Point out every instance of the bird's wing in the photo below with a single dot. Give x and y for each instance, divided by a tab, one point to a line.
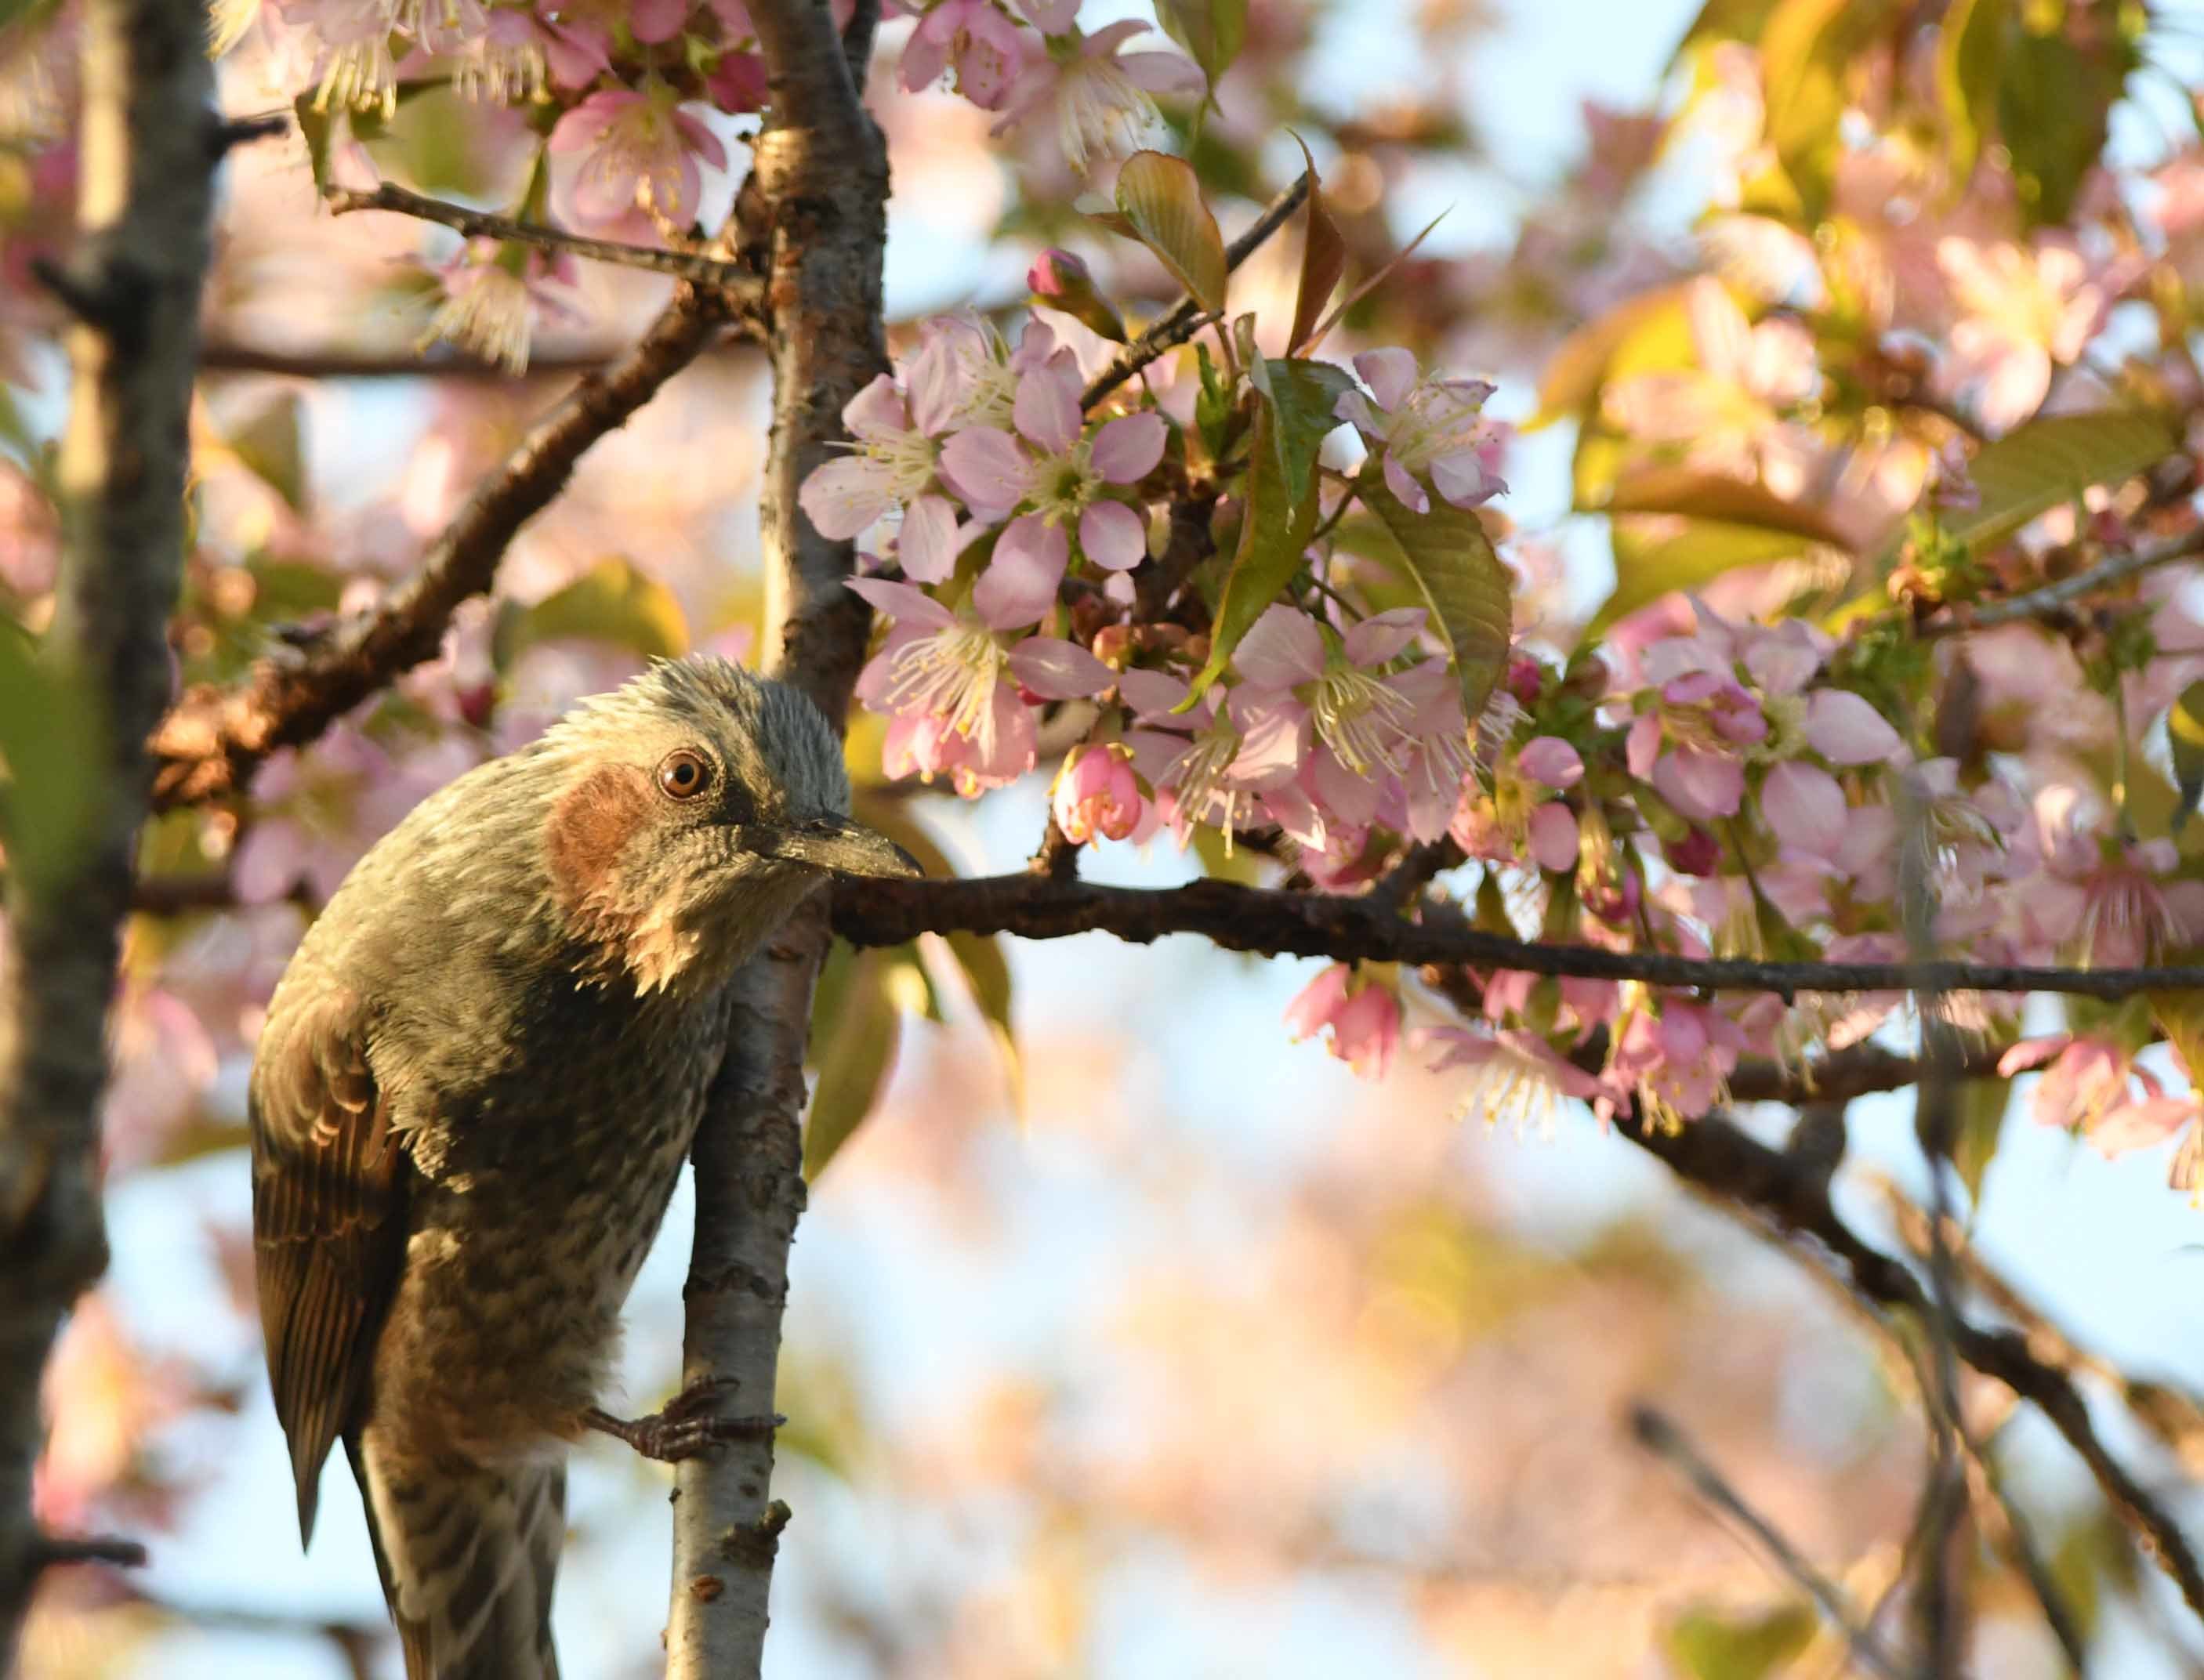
328	1221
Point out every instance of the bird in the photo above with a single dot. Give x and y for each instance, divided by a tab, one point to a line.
469	1101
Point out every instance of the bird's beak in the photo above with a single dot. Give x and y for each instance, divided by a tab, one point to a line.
841	847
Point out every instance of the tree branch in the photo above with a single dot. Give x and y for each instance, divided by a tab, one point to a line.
735	283
821	174
149	141
1265	919
228	356
1186	317
2052	597
1791	1200
211	740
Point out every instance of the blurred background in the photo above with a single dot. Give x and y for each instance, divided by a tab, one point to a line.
1132	1340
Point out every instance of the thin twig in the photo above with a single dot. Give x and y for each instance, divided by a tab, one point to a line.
1258	918
2172	1416
1944	1497
1661	1437
211	740
1186	317
2051	597
1748	1179
56	1551
734	281
2027	1556
229	356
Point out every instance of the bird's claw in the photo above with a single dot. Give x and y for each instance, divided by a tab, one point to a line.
686	1427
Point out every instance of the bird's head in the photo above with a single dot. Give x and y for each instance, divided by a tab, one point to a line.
689	812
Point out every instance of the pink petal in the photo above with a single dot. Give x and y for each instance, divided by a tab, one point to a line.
843	497
1317	1003
1046	407
1051	17
1161	71
1554	836
1340	793
1701	786
1112	536
1377	639
1551	760
903	604
987	469
1126	449
1152	694
877	411
1844	728
1390	374
1282	648
1021	581
928	545
2031	1053
699	139
1274	739
1057	670
1643	745
655	20
1404	486
1803	806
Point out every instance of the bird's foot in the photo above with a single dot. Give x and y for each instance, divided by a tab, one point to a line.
686	1427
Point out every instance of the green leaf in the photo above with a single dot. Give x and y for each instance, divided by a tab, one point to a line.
1213	31
1159	196
2055	99
614	601
1451	560
855	1025
1275	530
2037	466
2184	734
1806	58
986	970
1731	501
272	446
1324	259
1212	405
1710	1645
1970	55
1652	558
1304	398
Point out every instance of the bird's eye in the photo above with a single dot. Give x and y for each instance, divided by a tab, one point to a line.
685	774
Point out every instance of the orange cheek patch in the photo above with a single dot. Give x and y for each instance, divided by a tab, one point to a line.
589	828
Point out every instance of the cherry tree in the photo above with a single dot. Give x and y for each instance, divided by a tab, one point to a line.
1871	772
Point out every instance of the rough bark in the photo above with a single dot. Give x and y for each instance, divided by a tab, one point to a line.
821	172
148	145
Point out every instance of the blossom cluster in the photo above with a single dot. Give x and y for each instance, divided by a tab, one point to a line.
629	103
1706	783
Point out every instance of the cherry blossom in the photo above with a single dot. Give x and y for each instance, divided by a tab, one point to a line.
1363	1014
638	156
1513	1075
977	40
1427	427
1051	467
1100	98
1096	793
956	694
893	470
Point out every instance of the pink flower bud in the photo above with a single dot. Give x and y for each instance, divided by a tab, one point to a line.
1698	853
1365	1020
1056	274
1096	793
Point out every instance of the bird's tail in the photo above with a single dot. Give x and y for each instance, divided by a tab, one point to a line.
468	1555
